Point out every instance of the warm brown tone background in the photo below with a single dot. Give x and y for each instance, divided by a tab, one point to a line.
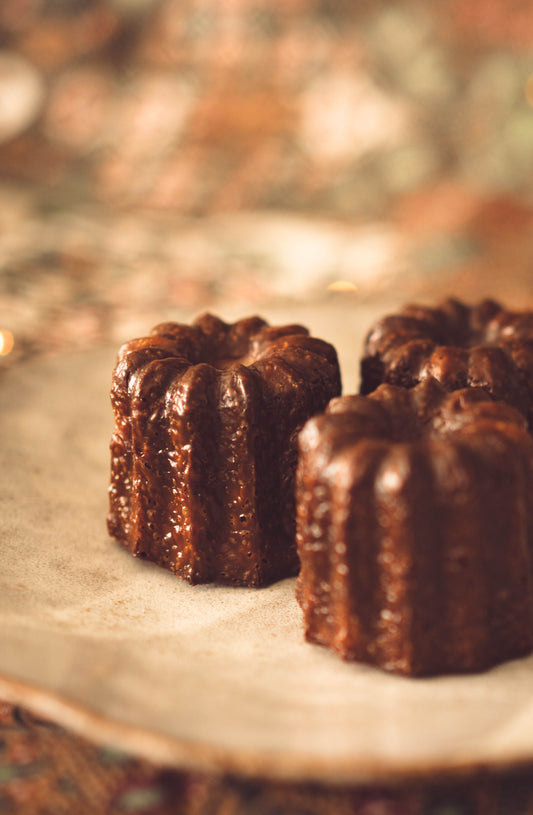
171	155
161	157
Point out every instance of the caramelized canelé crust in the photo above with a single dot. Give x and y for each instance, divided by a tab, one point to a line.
415	530
461	346
204	451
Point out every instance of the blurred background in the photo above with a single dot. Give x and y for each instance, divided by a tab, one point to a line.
163	157
319	161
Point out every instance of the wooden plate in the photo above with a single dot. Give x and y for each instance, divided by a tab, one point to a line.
204	677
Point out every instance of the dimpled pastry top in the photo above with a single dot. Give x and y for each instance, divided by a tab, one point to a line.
461	346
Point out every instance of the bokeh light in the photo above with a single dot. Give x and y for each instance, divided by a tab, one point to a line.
7	341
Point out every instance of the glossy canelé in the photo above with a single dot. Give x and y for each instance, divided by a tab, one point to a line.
484	345
415	530
204	451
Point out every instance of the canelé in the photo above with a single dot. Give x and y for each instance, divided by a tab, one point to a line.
204	450
415	530
461	346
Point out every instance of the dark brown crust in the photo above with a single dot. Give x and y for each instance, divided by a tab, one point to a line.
415	530
460	346
204	450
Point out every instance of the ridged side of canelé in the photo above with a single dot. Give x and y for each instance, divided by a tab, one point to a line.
488	571
416	545
126	451
460	346
323	493
205	445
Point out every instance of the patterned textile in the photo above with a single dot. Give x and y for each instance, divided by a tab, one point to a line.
74	276
44	770
168	155
198	106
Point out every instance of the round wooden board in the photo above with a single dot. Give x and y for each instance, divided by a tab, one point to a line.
205	677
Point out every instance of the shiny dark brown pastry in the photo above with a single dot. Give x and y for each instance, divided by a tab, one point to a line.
460	346
415	530
204	452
